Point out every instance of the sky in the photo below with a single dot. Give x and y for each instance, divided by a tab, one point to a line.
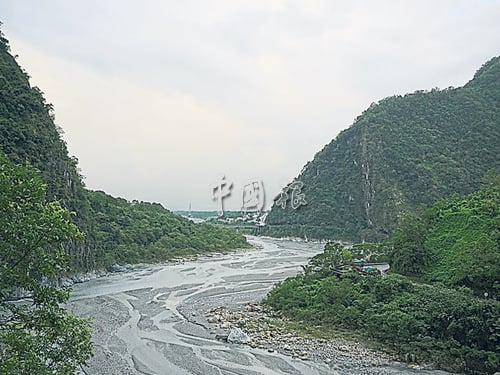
159	100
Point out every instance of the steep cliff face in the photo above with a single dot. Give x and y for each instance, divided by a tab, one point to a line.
28	135
401	153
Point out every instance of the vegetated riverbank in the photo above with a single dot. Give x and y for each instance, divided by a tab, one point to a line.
267	329
440	302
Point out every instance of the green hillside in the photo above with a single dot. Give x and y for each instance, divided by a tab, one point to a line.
116	231
456	242
442	308
401	153
146	232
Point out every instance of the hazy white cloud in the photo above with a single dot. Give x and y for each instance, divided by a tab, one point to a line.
158	99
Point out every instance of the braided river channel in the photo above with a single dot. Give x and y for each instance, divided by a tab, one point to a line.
151	319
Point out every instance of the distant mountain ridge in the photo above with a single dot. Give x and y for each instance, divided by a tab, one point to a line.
401	153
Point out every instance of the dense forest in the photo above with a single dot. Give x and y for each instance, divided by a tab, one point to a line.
131	232
440	302
115	231
402	153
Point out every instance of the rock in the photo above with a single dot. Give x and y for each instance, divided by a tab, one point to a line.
261	331
221	337
410	357
117	268
237	336
83	277
65	282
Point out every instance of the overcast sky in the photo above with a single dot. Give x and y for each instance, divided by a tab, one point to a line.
160	99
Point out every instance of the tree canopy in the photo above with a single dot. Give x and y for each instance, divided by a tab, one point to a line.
37	334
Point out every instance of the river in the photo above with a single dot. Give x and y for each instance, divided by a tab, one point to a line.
151	320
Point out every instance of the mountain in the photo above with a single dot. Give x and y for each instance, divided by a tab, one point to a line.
116	231
402	153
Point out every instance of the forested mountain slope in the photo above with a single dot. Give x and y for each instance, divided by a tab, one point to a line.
145	232
401	153
115	230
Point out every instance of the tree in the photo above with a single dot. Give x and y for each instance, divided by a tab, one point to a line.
409	256
37	334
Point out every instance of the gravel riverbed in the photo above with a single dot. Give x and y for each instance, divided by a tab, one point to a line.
266	330
175	319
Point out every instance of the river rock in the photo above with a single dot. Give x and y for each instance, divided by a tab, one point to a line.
237	336
118	268
221	336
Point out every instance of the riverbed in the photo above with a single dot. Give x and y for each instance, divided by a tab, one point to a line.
152	320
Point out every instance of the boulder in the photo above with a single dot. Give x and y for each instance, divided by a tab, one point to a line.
117	268
237	336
